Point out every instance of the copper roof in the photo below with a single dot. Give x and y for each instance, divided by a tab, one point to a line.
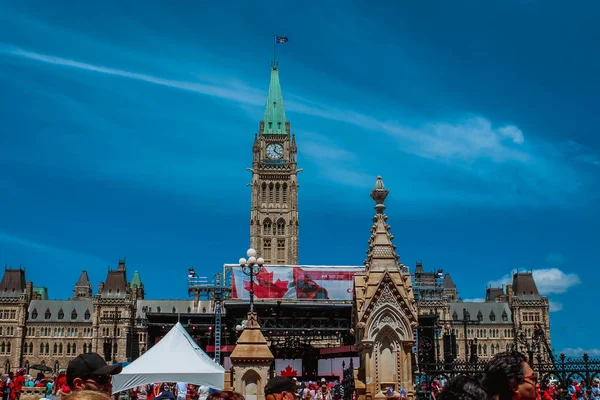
524	285
491	294
116	284
13	283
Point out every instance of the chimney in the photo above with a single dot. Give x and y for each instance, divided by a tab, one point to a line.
100	287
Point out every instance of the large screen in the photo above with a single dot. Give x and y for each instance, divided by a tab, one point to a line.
295	282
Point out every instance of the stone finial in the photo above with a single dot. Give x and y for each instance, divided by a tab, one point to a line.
379	194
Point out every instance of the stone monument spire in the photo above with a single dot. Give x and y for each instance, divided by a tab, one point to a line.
385	313
381	253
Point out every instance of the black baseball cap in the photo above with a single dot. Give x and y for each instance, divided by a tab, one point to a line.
89	364
280	384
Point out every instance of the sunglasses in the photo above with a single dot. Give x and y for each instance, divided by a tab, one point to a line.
100	379
532	378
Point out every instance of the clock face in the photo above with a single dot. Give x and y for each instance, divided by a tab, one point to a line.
274	151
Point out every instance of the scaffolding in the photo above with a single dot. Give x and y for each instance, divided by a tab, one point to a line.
214	290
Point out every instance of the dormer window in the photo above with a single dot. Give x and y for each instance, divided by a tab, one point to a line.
48	314
189	309
504	316
454	316
174	310
158	309
61	314
479	316
87	314
34	314
492	316
73	314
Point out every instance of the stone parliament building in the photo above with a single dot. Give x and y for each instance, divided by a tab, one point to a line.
117	320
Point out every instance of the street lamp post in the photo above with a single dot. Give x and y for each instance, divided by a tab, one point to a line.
251	268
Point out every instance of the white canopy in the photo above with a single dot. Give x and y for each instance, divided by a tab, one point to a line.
175	358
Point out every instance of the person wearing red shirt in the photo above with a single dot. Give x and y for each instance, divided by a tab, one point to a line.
60	381
19	382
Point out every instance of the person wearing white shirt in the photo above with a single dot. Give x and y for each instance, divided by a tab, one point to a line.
181	390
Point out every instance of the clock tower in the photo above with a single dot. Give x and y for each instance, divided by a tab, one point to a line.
274	214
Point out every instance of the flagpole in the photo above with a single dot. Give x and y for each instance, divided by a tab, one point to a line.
274	50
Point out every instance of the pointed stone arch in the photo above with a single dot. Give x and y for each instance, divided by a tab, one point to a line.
281	227
386	357
267	225
391	318
252	385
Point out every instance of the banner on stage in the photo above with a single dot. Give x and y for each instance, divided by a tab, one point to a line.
288	367
295	282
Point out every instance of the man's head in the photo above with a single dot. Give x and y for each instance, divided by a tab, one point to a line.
508	377
281	388
464	387
90	372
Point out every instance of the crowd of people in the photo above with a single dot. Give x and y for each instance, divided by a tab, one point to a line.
507	376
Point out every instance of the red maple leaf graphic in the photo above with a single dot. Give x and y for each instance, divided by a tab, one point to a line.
265	288
288	371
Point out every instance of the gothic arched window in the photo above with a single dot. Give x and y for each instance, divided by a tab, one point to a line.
68	348
55	349
284	193
271	193
90	347
47	348
267	227
41	348
85	348
74	348
60	348
264	193
31	348
281	227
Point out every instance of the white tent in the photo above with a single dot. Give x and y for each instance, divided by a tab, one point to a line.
175	358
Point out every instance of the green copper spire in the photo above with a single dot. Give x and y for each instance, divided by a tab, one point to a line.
136	280
274	111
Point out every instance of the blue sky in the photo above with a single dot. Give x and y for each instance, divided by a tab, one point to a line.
127	130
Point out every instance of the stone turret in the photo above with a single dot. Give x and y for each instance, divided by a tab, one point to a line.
251	361
83	287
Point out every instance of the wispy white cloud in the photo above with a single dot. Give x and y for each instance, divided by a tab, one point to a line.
555	306
472	138
579	351
515	170
334	161
474	300
548	281
580	153
234	91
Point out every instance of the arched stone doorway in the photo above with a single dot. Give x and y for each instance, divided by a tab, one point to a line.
7	367
251	384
